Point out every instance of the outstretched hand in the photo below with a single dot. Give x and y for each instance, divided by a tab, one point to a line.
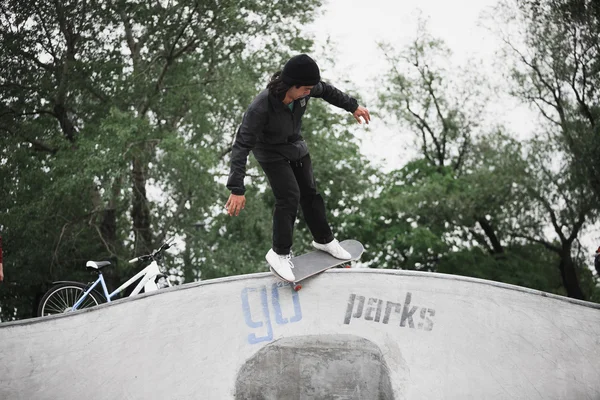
235	204
362	112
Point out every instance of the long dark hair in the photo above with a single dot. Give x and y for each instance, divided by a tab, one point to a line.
277	87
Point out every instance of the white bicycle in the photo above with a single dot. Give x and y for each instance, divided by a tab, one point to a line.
66	296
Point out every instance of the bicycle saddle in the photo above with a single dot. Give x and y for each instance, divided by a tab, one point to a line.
97	264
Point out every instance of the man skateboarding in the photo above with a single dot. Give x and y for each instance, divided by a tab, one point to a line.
271	130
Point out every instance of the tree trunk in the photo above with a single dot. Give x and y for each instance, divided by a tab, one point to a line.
140	212
66	124
491	234
569	274
108	230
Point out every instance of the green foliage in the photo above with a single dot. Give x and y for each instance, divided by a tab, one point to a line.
471	201
557	70
554	67
115	118
529	266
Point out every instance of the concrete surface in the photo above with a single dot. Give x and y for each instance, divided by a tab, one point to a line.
348	334
323	366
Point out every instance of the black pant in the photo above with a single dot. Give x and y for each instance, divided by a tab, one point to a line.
292	182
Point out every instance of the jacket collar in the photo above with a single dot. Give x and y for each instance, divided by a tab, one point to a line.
276	104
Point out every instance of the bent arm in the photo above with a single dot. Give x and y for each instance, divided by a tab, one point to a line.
334	96
245	140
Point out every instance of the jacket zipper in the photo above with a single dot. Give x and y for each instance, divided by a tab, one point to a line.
293	122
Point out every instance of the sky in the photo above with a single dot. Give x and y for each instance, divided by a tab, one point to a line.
354	29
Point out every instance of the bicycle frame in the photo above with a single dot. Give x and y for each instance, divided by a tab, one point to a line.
148	283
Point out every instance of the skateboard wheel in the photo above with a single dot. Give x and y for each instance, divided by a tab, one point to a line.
347	266
297	287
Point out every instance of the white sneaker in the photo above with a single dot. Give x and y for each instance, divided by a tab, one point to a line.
333	248
281	264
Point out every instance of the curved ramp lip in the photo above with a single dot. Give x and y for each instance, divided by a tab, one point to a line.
268	275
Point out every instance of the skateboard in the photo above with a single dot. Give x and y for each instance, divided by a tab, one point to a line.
317	261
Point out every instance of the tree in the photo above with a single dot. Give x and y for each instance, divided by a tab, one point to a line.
444	114
560	69
113	117
556	69
473	192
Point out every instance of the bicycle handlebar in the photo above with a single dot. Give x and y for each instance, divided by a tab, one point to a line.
154	254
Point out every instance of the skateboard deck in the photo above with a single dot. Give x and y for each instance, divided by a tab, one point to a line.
317	261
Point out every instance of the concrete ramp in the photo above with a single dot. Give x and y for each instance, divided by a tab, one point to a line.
348	334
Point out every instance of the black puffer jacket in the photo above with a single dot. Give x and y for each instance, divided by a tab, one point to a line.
272	131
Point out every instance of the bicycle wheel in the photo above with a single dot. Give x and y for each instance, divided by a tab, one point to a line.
62	297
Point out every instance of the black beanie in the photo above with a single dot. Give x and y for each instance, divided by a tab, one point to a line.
301	70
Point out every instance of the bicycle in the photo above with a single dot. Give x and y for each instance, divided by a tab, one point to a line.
67	296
